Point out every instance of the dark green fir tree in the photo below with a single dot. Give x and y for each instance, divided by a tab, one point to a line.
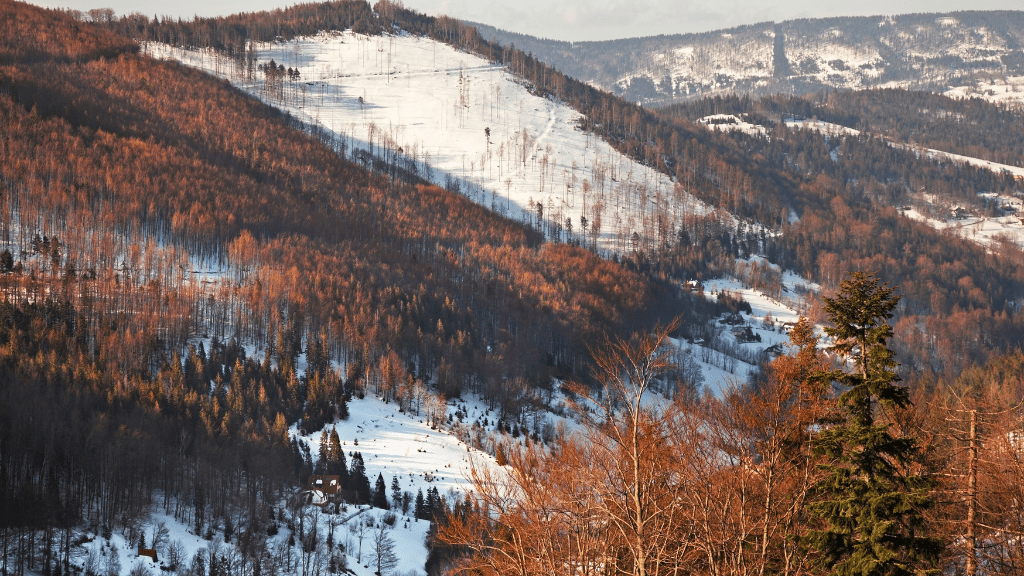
380	493
358	481
868	504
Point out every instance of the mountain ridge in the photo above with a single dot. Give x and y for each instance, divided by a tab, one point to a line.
930	51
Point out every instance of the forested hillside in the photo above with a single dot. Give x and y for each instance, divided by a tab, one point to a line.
853	188
192	280
967	126
148	208
829	216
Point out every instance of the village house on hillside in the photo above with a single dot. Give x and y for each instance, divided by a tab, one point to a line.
322	489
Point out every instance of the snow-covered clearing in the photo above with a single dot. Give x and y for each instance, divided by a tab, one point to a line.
726	361
1007	90
408	534
826	128
400	444
462	122
784	310
988	231
730	123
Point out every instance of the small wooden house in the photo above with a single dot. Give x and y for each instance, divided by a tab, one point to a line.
322	489
149	553
327	483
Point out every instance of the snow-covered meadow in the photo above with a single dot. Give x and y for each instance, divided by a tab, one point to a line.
1008	90
174	541
403	445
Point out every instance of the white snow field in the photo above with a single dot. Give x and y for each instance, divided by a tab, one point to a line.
460	121
403	445
730	122
989	231
407	533
1008	90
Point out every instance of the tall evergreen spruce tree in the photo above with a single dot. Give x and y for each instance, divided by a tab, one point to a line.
420	506
325	453
869	499
358	482
380	493
336	457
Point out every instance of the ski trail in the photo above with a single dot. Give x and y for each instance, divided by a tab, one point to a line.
402	74
547	131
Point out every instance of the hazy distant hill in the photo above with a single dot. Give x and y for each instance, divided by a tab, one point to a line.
917	51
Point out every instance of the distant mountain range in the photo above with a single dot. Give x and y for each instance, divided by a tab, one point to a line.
936	52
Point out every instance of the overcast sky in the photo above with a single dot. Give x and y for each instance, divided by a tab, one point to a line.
585	19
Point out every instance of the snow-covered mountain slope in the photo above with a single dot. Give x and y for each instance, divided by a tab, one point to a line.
969	51
462	123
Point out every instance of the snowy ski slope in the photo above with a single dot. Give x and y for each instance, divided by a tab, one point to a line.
462	122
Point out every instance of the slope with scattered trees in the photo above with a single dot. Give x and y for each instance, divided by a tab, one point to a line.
146	208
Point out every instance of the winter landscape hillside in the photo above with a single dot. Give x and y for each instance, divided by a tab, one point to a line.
348	289
474	128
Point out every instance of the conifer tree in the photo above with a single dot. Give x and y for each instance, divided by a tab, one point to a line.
358	482
396	493
324	453
335	455
869	500
432	505
380	493
341	408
